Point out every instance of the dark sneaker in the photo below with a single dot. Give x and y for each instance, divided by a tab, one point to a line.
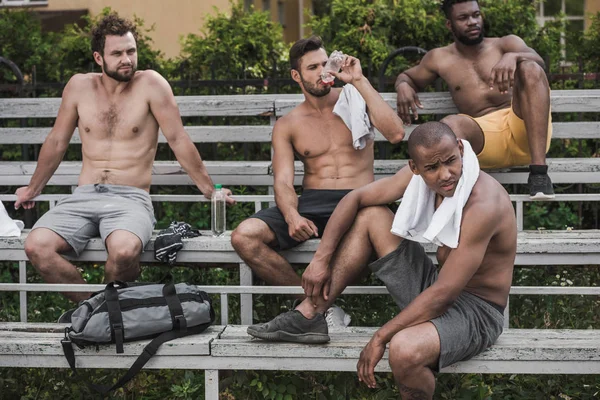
540	185
292	326
65	318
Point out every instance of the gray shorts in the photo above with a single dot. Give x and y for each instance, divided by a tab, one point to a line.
467	328
98	210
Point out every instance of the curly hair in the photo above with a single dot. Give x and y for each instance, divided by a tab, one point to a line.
446	5
111	24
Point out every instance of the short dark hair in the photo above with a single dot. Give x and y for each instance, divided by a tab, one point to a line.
301	47
111	24
447	5
428	135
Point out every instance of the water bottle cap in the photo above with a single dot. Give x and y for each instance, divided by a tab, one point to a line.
218	186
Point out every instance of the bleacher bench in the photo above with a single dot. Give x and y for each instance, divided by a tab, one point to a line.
228	347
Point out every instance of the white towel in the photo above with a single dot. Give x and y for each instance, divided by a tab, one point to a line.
352	109
8	226
418	220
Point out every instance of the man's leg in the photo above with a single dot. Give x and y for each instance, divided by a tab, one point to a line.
43	248
531	103
466	128
252	240
413	353
123	262
370	232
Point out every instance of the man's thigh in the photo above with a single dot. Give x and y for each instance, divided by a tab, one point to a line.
129	216
72	219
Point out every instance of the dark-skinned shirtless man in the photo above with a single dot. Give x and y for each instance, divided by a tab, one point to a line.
500	89
438	310
332	165
118	113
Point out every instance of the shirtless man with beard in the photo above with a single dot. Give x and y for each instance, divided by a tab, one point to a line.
118	113
500	88
332	165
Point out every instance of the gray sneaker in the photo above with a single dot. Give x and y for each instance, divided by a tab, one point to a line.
336	317
292	326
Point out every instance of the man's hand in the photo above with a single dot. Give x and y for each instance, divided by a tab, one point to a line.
316	280
369	357
301	229
24	198
351	70
228	199
503	73
406	100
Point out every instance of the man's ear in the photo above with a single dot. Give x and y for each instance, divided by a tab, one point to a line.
448	25
295	76
98	58
413	167
461	147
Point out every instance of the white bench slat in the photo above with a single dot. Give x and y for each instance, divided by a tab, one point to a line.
253	105
561	170
262	133
533	248
517	350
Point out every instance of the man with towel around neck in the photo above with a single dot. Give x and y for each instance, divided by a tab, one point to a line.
445	316
331	133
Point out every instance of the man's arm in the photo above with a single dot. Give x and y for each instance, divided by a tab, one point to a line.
410	82
55	145
515	51
299	228
315	279
164	108
380	113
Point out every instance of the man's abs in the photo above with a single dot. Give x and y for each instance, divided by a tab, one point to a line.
341	169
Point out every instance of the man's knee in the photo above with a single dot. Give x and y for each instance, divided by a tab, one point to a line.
371	215
125	252
404	354
530	72
248	235
40	244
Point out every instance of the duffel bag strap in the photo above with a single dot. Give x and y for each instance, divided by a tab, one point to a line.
175	308
147	353
111	296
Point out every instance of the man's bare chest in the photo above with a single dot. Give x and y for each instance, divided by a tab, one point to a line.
462	74
122	118
315	137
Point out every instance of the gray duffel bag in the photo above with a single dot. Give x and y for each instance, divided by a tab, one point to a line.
123	313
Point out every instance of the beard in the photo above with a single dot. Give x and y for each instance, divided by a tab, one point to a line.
315	89
467	41
119	76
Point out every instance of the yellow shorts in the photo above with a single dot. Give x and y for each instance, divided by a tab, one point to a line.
506	142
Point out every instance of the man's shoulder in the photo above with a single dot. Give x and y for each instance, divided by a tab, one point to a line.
149	76
88	79
488	195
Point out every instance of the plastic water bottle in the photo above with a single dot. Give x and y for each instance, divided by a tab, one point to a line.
334	63
218	212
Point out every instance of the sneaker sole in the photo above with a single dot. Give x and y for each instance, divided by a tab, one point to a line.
542	196
282	336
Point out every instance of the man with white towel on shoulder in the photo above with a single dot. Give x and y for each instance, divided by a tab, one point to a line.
331	132
445	316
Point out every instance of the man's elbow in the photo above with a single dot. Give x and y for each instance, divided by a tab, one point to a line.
396	135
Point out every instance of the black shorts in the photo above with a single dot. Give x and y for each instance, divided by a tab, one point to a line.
316	205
